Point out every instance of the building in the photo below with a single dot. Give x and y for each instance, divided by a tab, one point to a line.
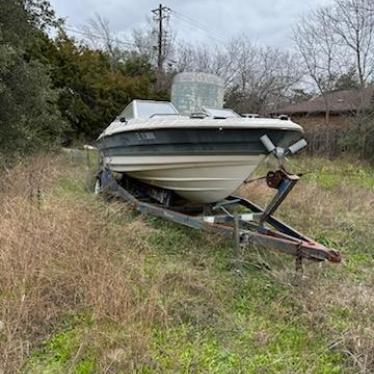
342	105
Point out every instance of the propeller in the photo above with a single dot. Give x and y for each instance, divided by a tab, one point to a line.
279	152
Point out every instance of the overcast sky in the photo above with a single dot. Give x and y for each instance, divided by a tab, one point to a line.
266	22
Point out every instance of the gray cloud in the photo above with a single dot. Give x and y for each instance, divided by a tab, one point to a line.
266	22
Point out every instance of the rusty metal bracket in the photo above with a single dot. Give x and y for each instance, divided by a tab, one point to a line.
284	183
299	259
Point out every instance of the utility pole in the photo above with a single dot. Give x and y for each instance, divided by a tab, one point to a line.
161	13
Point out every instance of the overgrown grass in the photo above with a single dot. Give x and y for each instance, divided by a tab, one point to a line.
88	286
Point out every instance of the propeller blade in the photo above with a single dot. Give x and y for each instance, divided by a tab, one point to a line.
267	143
298	146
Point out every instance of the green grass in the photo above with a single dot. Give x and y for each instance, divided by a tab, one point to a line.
56	353
330	174
221	314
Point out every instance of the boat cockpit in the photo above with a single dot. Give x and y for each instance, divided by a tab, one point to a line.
151	109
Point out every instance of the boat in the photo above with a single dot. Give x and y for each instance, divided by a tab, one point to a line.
182	160
203	157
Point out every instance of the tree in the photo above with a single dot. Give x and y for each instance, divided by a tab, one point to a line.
299	95
91	90
29	117
319	51
92	85
146	42
101	37
347	81
207	59
336	46
262	77
256	79
352	21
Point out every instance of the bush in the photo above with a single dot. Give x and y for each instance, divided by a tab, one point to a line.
359	137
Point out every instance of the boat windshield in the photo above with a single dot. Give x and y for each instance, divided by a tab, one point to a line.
220	113
148	109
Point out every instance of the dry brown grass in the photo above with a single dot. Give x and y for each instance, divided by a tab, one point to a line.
32	175
328	304
345	216
339	212
63	257
66	256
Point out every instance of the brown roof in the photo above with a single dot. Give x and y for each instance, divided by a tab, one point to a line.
339	102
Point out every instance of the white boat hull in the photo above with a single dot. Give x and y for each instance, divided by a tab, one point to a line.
199	178
202	160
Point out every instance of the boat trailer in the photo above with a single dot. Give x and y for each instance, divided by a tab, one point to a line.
235	217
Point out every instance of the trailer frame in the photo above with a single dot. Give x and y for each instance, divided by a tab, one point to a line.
253	225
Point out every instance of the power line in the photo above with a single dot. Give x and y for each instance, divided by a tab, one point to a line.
199	26
186	28
198	23
98	37
211	36
161	13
